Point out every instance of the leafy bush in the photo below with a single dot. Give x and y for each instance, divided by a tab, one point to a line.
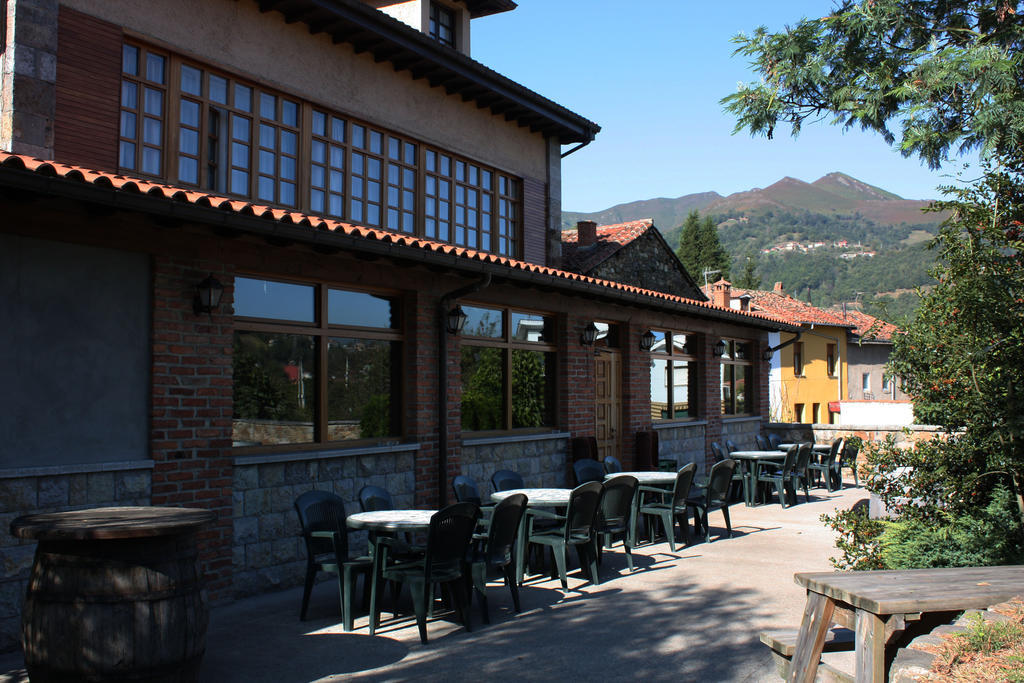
986	536
858	540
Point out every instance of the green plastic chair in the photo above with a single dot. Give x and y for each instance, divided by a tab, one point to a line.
716	496
448	541
673	509
780	476
322	517
825	468
802	470
615	515
498	550
577	529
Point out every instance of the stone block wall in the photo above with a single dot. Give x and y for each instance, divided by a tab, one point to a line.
43	489
542	460
683	442
268	552
741	431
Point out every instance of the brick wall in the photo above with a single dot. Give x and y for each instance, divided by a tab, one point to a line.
192	406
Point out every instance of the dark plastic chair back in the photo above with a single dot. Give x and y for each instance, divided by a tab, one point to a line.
684	481
373	498
720	480
717	452
762	443
730	446
451	530
501	536
789	464
588	470
803	458
833	453
322	511
582	512
466	490
503	480
774	440
617	501
612	465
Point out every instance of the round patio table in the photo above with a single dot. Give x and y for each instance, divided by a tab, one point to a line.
817	448
388	522
654	478
115	593
749	461
537	497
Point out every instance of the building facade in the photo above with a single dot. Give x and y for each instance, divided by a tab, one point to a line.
347	183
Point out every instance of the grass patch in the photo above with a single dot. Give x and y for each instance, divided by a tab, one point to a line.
987	651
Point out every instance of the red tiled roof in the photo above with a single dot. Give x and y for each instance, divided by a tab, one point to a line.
125	185
868	327
610	238
793	311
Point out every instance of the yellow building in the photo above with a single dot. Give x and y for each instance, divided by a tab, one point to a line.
808	376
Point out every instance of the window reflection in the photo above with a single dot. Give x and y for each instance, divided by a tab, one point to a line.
276	300
360	387
531	327
533	387
274	388
483	388
360	309
483	322
675	376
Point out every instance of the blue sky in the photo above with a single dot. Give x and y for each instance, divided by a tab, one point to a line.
651	75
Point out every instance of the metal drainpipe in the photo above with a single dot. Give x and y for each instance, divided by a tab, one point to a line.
442	381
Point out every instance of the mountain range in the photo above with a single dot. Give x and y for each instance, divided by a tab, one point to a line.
834	194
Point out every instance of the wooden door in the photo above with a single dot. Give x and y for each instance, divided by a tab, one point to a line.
608	403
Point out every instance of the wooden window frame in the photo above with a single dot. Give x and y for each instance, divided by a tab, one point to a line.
671	355
141	113
731	358
798	359
435	29
830	360
215	155
322	330
508	344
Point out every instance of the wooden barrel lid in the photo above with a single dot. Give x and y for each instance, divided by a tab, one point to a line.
110	523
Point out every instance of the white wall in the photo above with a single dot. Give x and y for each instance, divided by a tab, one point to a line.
875	413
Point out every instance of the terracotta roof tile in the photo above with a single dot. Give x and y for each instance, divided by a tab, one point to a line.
868	327
793	311
610	239
126	184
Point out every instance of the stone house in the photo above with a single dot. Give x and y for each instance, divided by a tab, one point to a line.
239	240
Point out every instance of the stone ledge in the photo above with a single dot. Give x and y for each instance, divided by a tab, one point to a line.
88	468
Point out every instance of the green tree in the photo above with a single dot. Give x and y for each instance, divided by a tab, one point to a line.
948	73
749	279
700	248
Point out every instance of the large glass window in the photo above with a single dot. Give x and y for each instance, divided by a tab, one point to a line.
508	370
442	24
737	378
193	126
674	376
314	364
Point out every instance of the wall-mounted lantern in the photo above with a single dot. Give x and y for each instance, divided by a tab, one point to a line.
589	335
455	321
208	293
720	348
647	341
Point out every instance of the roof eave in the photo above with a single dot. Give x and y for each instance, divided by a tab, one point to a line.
369	30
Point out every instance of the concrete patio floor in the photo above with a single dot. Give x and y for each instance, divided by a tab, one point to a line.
691	615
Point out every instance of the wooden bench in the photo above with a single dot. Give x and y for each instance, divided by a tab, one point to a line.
783	644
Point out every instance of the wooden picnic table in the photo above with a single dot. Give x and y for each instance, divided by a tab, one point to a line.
877	605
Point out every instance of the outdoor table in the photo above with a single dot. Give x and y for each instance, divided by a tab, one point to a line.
538	498
749	460
114	593
647	478
388	521
817	447
877	605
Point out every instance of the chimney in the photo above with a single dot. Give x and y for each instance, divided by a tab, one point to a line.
586	232
721	293
778	288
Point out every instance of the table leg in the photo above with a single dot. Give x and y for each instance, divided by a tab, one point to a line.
521	542
748	484
377	550
813	628
870	647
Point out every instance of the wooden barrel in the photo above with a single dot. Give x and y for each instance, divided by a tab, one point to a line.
124	610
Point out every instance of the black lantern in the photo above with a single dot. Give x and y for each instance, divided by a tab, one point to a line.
589	335
208	293
456	320
647	341
767	355
720	348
